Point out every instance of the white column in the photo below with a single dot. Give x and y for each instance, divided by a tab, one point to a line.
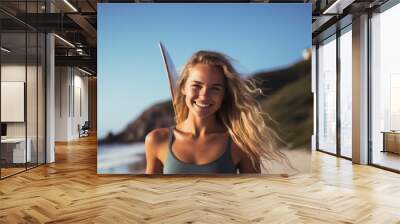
50	93
360	90
50	99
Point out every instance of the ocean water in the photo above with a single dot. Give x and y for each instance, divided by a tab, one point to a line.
121	159
130	159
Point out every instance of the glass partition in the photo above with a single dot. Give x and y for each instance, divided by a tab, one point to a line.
23	91
385	88
327	95
31	100
41	91
14	153
346	92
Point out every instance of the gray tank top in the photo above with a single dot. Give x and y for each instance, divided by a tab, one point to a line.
173	165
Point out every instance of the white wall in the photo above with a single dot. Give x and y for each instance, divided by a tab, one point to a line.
16	73
71	103
33	126
61	103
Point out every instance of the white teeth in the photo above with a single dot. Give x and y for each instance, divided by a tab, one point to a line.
202	105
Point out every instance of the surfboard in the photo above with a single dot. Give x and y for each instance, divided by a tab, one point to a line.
169	68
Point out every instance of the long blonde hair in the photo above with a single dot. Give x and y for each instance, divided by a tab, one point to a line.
240	112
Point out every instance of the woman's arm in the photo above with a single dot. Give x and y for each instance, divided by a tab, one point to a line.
153	164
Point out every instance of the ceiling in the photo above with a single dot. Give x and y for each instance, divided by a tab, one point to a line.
76	22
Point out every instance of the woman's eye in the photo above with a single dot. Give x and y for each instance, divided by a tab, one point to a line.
216	89
196	86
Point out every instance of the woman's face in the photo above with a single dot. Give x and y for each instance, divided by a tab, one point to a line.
204	90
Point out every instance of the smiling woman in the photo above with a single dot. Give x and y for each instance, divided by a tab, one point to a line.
219	124
204	90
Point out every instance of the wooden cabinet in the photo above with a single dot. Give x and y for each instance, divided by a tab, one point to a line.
391	142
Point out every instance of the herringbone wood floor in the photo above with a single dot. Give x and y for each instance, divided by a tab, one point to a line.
70	191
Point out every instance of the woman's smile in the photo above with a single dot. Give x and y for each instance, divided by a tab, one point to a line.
202	105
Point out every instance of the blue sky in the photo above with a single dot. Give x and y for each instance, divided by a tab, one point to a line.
131	75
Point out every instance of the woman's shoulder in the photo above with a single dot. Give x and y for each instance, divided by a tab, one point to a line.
156	149
156	143
157	136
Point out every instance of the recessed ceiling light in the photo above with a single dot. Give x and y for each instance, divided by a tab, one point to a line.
338	6
64	40
84	71
70	5
5	50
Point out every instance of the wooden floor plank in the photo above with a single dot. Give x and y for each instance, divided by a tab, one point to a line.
70	191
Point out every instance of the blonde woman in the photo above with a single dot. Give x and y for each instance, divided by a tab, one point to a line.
219	124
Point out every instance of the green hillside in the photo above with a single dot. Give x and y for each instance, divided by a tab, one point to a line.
292	109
